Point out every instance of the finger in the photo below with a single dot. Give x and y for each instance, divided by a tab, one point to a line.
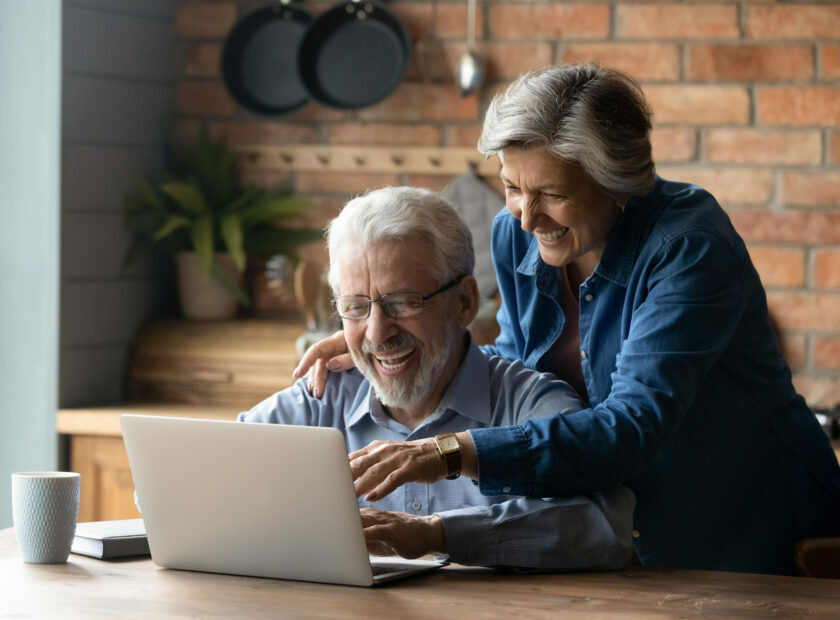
319	373
340	363
374	487
325	349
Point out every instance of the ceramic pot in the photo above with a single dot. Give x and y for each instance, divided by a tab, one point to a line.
201	298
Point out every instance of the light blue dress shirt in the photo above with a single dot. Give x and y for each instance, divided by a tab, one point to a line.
590	531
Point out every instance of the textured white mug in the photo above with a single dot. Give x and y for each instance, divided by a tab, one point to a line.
45	507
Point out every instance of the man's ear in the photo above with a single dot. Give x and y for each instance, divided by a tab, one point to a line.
467	301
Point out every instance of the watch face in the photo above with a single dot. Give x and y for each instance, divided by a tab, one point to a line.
448	444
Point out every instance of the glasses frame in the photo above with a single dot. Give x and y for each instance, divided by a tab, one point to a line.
378	300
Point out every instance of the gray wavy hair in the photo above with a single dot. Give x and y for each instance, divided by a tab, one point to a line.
399	214
591	115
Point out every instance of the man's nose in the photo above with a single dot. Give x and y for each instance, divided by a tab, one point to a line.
379	327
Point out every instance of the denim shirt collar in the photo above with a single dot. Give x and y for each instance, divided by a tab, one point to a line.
468	394
619	256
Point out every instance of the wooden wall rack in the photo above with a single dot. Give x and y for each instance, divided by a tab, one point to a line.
343	158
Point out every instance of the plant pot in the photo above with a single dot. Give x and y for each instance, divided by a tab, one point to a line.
201	298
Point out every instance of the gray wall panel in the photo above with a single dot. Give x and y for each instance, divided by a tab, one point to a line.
161	9
94	376
107	111
114	44
99	177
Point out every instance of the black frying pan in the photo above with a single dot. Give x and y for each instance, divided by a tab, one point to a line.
354	55
260	56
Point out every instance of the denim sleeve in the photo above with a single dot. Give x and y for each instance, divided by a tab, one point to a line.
591	532
685	314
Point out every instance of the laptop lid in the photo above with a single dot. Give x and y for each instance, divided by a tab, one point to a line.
265	500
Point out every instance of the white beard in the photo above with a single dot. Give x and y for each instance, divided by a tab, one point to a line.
402	392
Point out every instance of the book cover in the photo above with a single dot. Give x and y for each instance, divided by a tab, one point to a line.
111	539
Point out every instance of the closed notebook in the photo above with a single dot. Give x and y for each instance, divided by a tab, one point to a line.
111	539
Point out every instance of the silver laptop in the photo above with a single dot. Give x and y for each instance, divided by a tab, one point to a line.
264	500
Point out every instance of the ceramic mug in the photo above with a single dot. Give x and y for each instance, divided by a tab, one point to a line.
45	507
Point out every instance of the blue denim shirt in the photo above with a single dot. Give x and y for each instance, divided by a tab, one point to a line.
692	405
582	531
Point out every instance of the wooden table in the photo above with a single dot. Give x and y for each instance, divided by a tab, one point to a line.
88	588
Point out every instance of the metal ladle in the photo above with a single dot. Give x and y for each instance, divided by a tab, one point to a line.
469	72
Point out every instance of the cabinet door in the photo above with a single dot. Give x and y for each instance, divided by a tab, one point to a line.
107	489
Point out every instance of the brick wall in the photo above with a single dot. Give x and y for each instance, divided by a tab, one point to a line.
746	99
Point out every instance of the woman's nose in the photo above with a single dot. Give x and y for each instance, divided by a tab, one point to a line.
528	214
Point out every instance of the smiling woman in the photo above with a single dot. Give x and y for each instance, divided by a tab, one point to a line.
639	292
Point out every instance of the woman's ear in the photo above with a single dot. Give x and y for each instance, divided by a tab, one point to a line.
467	301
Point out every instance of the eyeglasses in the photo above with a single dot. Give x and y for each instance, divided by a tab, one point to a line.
394	305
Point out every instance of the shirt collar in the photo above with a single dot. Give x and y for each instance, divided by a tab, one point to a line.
468	394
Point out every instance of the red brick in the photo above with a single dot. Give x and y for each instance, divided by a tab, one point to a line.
805	311
676	21
795	21
238	133
644	61
756	146
205	99
827	353
205	20
818	106
351	183
779	266
434	182
315	112
186	130
793	226
528	21
203	60
672	144
699	105
451	19
510	60
827	269
811	188
424	102
818	391
385	134
740	63
793	349
747	186
463	135
265	178
830	62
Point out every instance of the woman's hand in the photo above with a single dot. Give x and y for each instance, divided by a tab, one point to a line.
329	354
403	534
382	466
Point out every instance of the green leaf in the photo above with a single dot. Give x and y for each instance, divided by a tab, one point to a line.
201	235
247	196
187	195
223	278
265	242
273	208
232	234
172	223
143	197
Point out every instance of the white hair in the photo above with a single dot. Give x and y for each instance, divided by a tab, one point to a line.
399	214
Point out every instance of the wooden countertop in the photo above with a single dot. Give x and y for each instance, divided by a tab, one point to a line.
89	588
105	421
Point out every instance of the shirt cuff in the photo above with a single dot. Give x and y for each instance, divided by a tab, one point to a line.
469	536
502	460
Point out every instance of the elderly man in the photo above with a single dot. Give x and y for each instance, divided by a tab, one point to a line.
401	263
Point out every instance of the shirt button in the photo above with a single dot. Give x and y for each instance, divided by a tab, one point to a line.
417	505
506	490
582	354
587	297
636	533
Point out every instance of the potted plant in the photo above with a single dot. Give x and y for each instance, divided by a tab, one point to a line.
210	222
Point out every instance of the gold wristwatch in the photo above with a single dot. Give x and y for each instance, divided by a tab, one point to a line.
450	451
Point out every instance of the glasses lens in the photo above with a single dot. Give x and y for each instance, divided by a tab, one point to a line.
352	306
398	305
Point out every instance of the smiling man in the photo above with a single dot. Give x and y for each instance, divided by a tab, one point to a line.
401	263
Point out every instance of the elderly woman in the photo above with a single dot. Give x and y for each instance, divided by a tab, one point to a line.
641	294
